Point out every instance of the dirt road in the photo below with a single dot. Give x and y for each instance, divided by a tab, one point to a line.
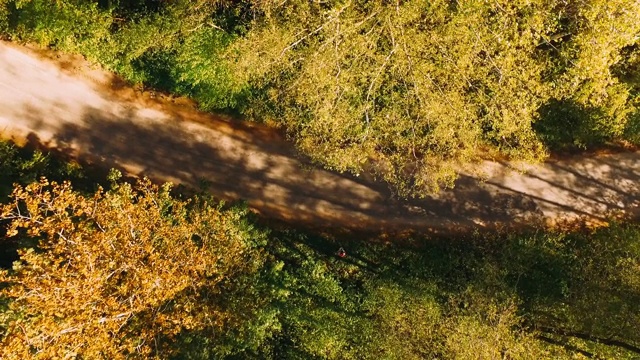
63	104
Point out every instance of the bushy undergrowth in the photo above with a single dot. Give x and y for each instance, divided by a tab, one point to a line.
24	166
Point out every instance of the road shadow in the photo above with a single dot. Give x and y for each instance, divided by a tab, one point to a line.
107	124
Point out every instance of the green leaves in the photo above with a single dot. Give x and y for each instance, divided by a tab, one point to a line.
407	90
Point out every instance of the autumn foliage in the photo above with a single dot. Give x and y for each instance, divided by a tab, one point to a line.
116	274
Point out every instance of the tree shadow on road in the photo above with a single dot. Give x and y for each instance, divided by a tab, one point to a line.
239	161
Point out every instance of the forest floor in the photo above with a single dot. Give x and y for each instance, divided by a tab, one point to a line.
62	103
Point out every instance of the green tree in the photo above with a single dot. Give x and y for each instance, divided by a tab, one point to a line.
407	90
410	89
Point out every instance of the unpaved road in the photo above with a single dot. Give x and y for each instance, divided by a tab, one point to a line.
62	104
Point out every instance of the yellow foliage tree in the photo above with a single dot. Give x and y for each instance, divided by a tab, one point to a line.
116	275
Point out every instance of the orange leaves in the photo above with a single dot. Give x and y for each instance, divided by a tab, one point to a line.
116	272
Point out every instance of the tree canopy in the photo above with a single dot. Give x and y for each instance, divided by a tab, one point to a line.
117	274
407	90
135	272
414	88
